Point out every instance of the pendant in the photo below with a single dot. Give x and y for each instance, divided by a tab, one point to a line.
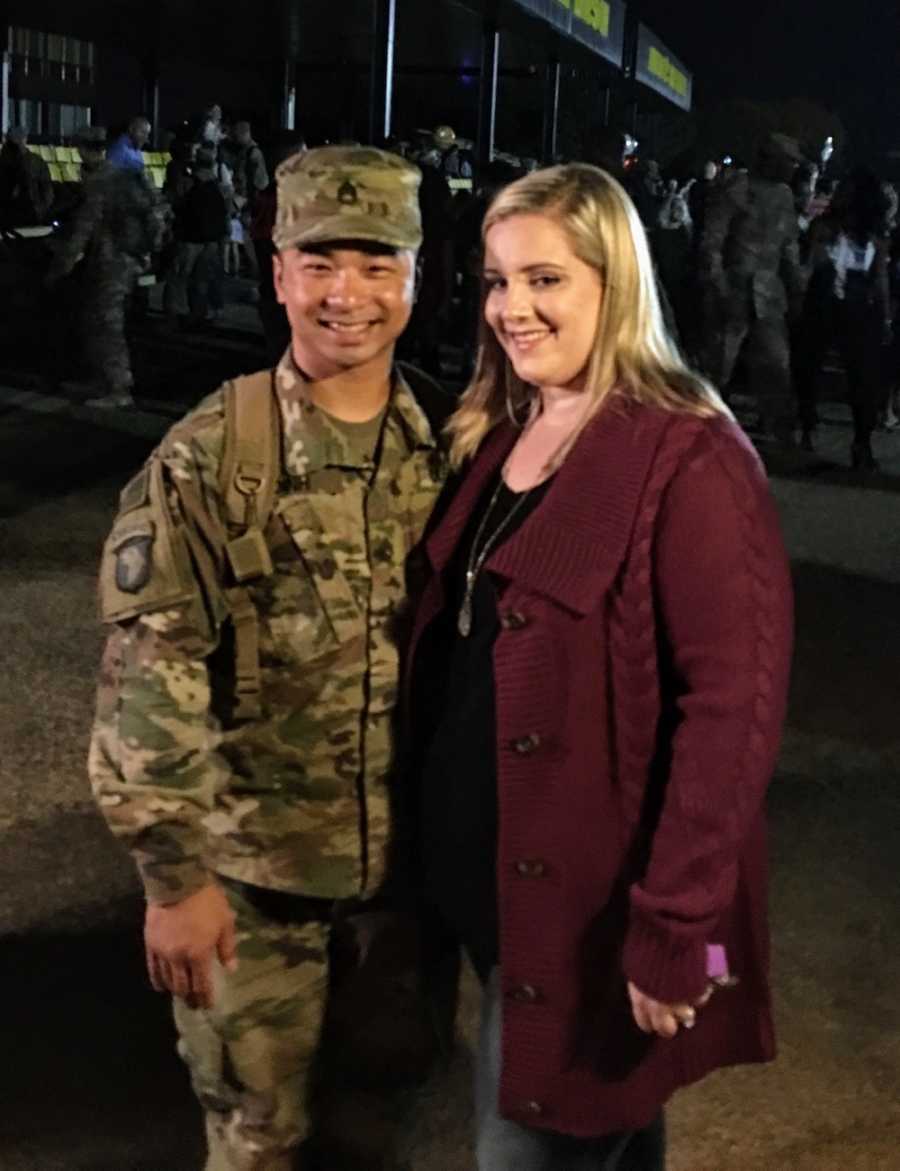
464	622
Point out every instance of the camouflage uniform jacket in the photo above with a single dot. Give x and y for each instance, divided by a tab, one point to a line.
119	216
749	249
298	801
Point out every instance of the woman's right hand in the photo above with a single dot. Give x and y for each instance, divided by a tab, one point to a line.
654	1016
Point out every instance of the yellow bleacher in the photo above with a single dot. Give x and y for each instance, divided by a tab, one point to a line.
65	163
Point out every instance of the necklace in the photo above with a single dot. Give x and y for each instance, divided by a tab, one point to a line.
477	559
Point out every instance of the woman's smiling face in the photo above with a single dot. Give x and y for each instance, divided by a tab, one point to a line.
543	301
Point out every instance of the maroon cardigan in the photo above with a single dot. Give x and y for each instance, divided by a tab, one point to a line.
641	674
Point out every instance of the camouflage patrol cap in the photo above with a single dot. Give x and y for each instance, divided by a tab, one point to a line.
785	146
348	193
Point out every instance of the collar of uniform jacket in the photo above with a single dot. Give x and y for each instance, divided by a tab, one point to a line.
312	442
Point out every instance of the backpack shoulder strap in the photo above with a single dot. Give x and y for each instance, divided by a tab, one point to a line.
251	459
248	479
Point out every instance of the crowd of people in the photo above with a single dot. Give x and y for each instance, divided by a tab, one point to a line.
766	272
769	272
115	226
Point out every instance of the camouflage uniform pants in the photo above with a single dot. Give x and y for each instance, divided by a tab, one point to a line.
251	1056
106	291
765	344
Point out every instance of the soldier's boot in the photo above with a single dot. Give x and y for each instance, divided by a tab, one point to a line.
229	1150
111	402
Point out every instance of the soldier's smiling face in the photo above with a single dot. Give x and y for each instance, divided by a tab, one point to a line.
347	302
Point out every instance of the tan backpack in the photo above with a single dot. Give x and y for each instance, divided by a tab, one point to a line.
248	479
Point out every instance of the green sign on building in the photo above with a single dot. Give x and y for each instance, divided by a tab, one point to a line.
658	67
598	24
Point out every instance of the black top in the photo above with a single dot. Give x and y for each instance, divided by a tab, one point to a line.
455	723
203	216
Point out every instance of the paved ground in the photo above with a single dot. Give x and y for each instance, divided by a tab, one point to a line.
88	1078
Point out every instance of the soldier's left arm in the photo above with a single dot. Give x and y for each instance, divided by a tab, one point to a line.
791	269
84	225
44	185
260	178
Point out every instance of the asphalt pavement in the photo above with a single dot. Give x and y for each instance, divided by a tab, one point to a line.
89	1080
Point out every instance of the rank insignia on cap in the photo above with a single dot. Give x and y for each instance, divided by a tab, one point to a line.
347	193
134	563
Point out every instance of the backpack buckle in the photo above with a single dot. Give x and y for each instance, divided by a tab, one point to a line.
249	557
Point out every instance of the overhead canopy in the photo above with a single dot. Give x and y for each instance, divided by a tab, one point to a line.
598	24
658	67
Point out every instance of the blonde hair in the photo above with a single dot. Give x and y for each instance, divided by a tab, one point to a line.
633	354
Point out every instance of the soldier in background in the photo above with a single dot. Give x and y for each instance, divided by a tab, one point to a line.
752	280
245	158
243	747
111	235
248	165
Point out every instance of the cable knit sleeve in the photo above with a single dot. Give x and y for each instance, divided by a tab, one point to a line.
724	602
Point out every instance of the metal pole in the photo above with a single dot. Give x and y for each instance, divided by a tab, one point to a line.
150	104
5	70
551	110
5	104
384	42
487	95
286	43
289	97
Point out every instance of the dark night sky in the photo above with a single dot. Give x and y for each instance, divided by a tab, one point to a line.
844	54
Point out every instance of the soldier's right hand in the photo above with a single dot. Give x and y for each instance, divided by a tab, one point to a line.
183	940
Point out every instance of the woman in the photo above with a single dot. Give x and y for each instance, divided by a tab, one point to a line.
599	666
848	306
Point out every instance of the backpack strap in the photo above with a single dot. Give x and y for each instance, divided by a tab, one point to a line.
248	479
249	472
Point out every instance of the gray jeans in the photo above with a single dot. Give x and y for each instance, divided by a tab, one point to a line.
194	282
502	1145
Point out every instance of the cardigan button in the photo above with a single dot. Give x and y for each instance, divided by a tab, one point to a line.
513	620
531	868
525	994
525	745
535	1109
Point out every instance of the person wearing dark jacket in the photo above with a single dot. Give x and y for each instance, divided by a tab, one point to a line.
201	224
26	189
848	306
597	683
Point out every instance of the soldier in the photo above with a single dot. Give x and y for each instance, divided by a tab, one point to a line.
751	278
113	230
254	587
